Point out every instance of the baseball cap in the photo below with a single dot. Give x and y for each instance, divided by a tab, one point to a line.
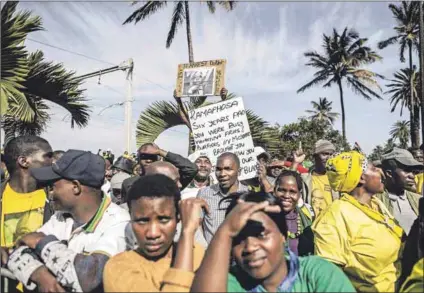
117	179
194	156
402	156
83	166
261	151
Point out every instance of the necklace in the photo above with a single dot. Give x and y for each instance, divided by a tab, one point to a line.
295	235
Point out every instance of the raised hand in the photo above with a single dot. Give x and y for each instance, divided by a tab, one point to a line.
190	212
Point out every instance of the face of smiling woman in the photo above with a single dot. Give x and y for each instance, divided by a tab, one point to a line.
288	192
262	257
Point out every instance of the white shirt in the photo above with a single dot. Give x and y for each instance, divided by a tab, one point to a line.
105	233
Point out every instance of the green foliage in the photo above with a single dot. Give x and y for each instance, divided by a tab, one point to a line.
308	132
28	81
379	150
322	111
400	132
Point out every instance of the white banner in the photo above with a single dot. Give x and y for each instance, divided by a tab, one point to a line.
223	127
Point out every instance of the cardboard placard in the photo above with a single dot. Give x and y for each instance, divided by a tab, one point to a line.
223	127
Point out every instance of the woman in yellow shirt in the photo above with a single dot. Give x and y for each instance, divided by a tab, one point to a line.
357	232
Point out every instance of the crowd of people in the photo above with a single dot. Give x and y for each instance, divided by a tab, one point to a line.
155	221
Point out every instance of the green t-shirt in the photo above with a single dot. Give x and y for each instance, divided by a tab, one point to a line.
315	275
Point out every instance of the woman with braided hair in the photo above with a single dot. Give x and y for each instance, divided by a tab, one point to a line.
299	215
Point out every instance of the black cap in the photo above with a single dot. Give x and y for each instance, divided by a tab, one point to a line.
85	167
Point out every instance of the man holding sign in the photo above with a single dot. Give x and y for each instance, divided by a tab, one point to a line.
226	171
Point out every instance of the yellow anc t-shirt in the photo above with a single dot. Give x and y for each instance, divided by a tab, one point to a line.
321	195
419	180
364	241
21	213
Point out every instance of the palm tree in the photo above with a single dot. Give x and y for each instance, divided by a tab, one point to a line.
400	131
162	115
344	54
407	35
30	81
322	111
14	66
181	12
401	94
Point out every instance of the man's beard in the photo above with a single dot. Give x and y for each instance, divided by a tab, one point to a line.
201	178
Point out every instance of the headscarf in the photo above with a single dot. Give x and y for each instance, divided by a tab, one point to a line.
344	170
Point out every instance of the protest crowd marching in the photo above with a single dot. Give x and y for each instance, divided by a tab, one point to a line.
230	216
75	221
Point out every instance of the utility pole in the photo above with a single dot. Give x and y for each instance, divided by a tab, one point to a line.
128	67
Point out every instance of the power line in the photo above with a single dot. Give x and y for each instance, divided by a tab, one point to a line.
71	52
92	58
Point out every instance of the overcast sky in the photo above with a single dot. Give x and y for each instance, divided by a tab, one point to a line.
262	42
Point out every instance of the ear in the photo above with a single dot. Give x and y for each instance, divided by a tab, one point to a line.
76	187
23	162
389	174
362	179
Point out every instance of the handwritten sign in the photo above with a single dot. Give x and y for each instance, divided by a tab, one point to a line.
223	127
205	78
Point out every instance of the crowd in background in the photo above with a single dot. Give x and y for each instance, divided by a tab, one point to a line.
74	221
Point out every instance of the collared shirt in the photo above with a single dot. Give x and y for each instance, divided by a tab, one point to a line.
192	189
104	233
213	195
402	211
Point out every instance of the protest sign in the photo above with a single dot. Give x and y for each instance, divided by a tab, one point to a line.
223	127
205	78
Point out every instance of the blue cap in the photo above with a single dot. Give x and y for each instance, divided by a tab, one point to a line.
85	167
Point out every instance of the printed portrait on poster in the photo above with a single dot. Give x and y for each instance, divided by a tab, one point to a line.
205	78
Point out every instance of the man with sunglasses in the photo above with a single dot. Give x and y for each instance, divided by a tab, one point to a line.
23	204
401	199
149	153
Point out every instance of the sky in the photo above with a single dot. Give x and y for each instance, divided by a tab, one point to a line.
263	44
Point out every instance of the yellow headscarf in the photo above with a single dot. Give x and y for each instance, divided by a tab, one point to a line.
344	170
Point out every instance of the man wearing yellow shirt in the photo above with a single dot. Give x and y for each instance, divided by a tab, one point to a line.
23	205
318	192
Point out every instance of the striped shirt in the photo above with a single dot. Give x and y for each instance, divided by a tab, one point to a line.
212	195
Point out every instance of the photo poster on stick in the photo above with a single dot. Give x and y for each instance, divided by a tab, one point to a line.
205	78
221	128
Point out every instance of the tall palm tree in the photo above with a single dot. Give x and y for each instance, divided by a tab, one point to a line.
30	81
401	93
181	12
421	52
344	55
162	115
322	111
406	15
400	131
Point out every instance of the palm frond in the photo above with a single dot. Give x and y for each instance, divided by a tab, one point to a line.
15	26
177	20
145	11
54	83
211	6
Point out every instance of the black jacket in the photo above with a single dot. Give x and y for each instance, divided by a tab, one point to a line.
187	170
